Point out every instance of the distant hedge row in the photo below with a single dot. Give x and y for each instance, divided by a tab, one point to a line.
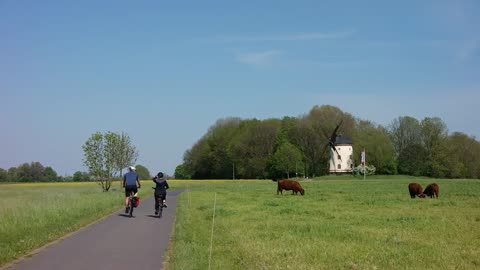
36	172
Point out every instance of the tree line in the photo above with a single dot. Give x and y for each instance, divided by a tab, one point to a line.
272	148
36	172
105	156
30	172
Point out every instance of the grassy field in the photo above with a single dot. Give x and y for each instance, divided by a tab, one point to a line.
32	215
338	224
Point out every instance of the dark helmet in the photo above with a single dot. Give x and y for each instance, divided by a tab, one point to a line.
160	174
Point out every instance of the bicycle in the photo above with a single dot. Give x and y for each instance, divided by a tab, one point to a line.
160	204
130	204
160	208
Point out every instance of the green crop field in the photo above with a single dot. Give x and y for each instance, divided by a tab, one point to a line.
32	215
338	224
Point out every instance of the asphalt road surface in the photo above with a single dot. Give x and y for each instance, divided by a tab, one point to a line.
116	242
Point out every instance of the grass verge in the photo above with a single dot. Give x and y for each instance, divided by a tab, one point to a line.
33	215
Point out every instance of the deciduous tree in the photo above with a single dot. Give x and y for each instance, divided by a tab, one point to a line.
3	175
49	175
404	131
287	159
127	152
104	154
376	141
182	172
79	176
143	173
434	135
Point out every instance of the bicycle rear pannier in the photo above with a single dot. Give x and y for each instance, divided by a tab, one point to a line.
136	201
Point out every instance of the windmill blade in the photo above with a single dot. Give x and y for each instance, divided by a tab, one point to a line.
335	149
333	138
333	160
331	143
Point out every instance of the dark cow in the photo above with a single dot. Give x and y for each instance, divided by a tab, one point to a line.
289	185
431	190
415	189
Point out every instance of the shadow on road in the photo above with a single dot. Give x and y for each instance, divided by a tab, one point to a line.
125	215
152	216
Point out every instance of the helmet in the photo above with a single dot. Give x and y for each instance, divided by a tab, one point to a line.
160	174
132	168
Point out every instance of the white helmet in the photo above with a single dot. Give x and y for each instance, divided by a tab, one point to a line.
132	168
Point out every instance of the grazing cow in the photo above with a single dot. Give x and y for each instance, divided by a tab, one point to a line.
431	190
415	189
286	184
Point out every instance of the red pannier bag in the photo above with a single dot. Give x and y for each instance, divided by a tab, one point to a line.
136	201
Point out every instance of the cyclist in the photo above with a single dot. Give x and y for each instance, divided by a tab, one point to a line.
130	181
160	190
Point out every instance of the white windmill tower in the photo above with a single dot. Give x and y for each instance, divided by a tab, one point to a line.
341	153
341	156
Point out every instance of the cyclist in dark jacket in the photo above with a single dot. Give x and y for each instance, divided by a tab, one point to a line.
160	190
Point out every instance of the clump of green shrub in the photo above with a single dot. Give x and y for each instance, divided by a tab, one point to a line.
360	170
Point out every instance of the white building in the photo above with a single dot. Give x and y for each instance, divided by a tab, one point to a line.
343	162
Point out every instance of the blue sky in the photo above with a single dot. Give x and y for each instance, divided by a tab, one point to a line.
165	71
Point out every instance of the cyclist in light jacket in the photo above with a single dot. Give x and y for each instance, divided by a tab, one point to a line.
130	181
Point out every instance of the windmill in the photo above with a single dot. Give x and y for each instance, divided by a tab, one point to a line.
331	142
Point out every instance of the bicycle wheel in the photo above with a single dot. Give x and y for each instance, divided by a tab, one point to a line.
130	204
160	210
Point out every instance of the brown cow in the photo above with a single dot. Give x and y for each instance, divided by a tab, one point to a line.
431	190
415	189
289	185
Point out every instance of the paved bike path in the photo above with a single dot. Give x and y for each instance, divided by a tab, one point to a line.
116	242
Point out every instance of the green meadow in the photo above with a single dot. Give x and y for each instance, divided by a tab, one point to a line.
31	215
338	224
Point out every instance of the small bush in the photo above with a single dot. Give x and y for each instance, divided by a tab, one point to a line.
360	170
